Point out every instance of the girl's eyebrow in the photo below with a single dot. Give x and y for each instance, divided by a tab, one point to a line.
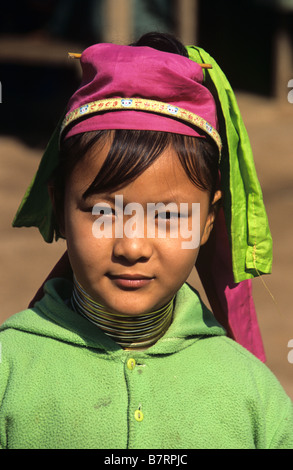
103	196
110	198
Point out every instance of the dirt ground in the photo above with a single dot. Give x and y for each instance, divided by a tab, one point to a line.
25	259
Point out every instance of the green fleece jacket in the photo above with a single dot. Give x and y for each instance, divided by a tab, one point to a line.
65	384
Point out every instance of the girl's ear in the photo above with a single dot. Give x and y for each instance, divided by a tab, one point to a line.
57	208
211	217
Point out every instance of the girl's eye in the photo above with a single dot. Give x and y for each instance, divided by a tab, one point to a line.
102	210
105	212
167	215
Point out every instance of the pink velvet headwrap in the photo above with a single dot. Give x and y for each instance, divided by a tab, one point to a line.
111	71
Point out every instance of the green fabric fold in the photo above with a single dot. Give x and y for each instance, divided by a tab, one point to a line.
36	209
245	214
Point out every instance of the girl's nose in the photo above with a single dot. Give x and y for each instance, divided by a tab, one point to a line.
133	249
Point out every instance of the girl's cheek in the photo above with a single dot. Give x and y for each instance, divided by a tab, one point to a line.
173	252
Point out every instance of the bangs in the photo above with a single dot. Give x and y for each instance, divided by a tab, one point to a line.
200	160
130	154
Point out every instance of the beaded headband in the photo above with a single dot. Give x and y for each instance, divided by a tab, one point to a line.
140	104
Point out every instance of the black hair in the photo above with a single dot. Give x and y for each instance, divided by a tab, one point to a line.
162	42
133	151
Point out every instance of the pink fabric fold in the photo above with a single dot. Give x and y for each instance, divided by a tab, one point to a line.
232	303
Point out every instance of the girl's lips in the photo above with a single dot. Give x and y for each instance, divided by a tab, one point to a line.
130	281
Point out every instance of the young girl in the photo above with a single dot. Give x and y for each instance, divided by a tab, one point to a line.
118	351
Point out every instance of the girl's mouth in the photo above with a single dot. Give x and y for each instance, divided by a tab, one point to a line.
130	281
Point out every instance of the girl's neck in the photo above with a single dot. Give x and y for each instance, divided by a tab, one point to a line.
130	332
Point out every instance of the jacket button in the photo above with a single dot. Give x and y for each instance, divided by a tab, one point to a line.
131	363
138	414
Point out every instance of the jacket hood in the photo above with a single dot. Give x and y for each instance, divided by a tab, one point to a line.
51	317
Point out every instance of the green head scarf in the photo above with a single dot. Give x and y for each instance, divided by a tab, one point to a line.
245	214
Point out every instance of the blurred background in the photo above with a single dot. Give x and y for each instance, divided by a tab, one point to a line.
252	40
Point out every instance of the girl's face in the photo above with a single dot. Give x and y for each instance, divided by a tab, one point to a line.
135	272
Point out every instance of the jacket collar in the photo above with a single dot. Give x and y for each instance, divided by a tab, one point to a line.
52	318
